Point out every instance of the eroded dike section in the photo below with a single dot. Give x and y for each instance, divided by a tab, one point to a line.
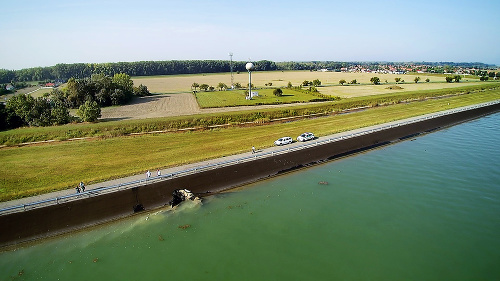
55	219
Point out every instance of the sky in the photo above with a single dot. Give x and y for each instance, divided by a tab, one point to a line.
44	33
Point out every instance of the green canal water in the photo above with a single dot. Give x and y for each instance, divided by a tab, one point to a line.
422	209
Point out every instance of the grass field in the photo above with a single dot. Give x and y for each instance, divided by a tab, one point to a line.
35	91
237	98
31	170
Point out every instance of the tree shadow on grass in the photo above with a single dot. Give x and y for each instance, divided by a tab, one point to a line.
103	120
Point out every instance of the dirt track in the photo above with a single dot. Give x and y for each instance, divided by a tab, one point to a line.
154	106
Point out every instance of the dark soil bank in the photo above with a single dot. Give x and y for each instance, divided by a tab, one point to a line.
64	217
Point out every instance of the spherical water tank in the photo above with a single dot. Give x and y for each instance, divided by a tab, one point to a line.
249	66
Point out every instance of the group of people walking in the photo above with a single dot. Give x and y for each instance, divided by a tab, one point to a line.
148	173
81	187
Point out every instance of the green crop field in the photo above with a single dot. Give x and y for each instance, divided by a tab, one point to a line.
237	98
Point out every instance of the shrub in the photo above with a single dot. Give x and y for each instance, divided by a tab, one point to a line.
316	82
375	80
89	111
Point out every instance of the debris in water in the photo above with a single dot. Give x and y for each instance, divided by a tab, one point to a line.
180	195
184	226
323	182
95	260
160	238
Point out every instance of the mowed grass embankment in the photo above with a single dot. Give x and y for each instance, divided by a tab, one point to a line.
36	169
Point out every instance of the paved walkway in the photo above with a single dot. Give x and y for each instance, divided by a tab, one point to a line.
260	152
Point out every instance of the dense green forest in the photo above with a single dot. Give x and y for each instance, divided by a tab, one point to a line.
62	72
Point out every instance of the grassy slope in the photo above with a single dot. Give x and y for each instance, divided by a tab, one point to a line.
31	170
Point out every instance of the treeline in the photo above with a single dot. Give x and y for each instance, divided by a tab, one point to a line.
87	94
62	72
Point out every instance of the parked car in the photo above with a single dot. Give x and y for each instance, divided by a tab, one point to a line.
305	137
283	141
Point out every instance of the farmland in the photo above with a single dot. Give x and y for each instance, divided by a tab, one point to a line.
112	153
173	94
182	83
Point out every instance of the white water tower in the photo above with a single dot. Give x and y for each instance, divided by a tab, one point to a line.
249	66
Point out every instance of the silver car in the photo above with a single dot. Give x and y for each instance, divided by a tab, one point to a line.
305	137
283	141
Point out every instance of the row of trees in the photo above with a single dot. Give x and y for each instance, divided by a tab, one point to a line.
376	80
315	83
62	72
221	86
342	82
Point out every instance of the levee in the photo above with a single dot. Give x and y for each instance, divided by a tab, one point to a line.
64	217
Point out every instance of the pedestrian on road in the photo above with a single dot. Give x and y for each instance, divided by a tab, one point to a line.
148	174
82	186
253	149
158	172
77	189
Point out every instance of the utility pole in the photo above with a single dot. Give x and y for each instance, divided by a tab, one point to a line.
231	66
